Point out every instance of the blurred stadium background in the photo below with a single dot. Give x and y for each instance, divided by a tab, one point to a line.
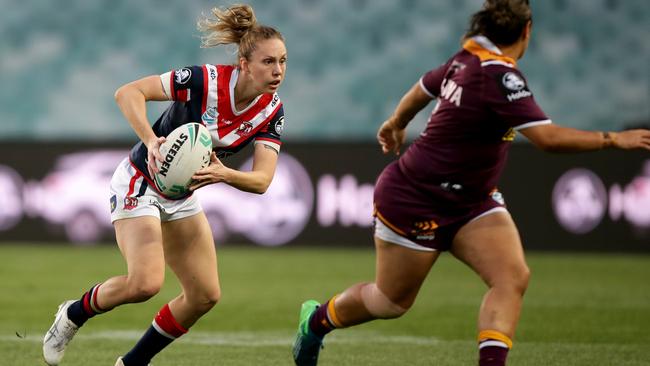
350	61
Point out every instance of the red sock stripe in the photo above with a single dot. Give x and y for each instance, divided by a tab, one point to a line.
89	301
86	304
166	322
94	304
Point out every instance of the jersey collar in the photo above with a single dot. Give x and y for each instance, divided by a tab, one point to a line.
485	50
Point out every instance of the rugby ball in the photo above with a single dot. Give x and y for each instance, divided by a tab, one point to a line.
186	150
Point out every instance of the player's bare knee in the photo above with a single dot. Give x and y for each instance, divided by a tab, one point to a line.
143	290
523	279
203	302
378	304
209	300
514	280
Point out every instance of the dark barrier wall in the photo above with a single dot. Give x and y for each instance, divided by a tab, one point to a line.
322	195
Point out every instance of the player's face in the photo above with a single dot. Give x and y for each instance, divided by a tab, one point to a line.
267	65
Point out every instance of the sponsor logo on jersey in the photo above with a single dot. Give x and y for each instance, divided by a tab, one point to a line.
209	116
113	203
275	100
182	76
213	74
279	126
518	95
130	203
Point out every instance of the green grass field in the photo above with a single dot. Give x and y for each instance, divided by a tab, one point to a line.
580	309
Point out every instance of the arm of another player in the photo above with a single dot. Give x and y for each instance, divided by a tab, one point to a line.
131	98
256	181
391	134
554	138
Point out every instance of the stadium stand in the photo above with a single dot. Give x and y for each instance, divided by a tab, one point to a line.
349	60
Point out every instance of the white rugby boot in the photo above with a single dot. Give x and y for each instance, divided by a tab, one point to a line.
120	363
59	335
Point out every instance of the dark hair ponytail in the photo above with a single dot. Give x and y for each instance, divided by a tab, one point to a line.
502	21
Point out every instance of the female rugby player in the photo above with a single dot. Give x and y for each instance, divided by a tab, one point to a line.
440	195
239	105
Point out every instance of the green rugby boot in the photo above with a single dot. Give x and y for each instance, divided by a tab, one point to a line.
307	345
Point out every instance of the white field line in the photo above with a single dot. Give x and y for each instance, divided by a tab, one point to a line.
242	339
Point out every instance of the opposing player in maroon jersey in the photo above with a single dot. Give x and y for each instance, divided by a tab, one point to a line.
441	194
239	105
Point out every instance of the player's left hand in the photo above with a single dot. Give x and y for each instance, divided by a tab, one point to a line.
632	139
390	137
216	172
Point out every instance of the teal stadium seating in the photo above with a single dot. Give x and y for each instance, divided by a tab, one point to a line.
349	60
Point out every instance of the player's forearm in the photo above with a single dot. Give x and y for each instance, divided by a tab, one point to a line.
554	138
253	181
410	104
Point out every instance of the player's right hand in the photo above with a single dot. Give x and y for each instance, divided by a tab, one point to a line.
390	137
153	154
632	139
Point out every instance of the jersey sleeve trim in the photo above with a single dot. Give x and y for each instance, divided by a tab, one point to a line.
166	80
532	124
425	90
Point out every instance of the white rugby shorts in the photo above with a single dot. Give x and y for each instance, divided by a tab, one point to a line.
132	196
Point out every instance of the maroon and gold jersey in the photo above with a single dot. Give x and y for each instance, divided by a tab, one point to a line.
483	99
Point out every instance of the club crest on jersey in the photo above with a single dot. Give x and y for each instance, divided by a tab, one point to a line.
279	126
512	81
244	129
182	76
209	116
514	87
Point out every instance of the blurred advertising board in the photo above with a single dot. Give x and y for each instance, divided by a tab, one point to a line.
322	195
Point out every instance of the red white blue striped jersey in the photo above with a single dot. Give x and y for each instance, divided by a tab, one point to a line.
205	94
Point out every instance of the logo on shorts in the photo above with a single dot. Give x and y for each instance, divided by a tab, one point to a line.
113	203
509	135
424	230
182	76
130	203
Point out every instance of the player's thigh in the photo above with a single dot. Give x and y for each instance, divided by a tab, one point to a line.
140	241
191	254
400	271
491	246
